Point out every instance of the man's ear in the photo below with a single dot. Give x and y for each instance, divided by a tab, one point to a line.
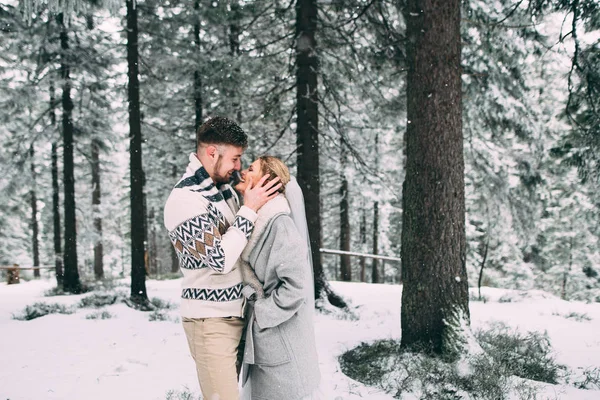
211	151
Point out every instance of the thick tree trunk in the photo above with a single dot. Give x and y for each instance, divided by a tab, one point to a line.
138	270
71	281
307	134
307	137
435	294
96	201
346	262
375	278
58	265
35	240
197	75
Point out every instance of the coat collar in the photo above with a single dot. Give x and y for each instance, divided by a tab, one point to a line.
275	206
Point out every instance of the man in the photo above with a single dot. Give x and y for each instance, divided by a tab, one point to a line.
209	230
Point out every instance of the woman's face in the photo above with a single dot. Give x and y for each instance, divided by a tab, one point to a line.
250	174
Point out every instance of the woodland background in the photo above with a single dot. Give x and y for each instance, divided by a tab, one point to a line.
530	76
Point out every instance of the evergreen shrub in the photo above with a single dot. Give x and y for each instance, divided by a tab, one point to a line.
590	379
185	394
161	304
384	364
527	356
38	310
99	315
99	300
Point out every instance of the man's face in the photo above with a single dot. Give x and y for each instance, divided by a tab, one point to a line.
228	160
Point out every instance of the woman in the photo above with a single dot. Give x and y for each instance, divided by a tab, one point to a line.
280	357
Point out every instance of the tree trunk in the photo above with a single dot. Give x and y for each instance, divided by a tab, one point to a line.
363	240
145	228
96	201
174	259
34	216
138	271
197	76
58	266
234	30
58	257
152	256
375	278
345	260
435	295
486	246
234	49
363	269
567	270
71	281
307	137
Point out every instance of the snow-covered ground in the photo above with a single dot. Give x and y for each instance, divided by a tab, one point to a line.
130	357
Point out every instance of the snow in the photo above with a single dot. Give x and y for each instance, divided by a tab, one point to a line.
130	357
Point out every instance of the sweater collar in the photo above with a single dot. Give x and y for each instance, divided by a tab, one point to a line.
275	206
197	179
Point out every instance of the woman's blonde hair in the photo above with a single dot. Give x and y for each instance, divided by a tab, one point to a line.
275	168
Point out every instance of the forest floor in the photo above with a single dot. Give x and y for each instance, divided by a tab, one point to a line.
115	352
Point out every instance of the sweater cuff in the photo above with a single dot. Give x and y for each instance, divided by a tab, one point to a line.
244	221
249	292
248	213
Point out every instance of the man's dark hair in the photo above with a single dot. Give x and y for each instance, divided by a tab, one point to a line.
221	130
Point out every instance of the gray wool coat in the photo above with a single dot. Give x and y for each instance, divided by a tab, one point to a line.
280	354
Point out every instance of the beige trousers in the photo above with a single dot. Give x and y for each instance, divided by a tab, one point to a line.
214	346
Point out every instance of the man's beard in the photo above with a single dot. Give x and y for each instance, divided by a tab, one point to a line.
218	177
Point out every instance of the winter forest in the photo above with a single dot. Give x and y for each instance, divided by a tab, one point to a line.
460	137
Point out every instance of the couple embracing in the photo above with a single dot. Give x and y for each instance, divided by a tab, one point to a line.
247	274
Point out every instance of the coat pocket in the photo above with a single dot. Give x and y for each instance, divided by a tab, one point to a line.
269	346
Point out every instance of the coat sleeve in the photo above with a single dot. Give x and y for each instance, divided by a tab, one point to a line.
288	260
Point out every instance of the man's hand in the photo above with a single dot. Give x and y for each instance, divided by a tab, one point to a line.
257	196
253	288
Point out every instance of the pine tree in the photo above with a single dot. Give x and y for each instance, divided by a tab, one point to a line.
307	132
96	201
58	257
582	110
308	125
71	282
346	261
138	223
34	216
435	293
198	104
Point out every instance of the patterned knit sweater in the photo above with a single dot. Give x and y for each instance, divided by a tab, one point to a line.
209	231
